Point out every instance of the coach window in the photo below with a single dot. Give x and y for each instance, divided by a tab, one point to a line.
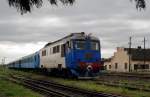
116	65
35	58
125	65
44	53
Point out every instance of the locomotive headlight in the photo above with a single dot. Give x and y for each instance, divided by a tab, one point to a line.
89	68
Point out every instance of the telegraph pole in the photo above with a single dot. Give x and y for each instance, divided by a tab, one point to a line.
3	60
130	43
144	50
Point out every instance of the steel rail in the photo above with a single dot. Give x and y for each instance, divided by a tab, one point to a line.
129	75
40	88
72	89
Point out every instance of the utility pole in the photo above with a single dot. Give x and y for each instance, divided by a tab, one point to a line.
144	50
130	43
3	60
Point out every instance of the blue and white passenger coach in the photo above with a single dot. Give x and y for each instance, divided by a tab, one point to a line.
76	55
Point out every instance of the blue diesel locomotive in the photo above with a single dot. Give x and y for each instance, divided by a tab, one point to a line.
77	54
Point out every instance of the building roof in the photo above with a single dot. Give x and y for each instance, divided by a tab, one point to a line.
106	59
139	54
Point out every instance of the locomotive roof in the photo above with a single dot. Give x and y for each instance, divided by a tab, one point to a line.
81	35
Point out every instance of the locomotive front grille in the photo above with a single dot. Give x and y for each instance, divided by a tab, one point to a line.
88	56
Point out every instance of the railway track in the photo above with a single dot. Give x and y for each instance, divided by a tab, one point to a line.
141	76
125	80
130	86
52	89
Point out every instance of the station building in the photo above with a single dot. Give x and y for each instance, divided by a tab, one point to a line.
138	58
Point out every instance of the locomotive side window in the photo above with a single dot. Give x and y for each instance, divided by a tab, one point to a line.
81	45
56	49
63	50
94	45
44	53
49	50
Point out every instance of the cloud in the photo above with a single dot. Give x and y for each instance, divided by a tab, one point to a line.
111	21
11	49
140	24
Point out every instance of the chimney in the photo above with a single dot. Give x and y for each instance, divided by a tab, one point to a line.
82	33
120	48
139	47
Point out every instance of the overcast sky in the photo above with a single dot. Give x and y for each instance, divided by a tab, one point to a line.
113	21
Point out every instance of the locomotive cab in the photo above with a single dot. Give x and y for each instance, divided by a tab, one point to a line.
83	56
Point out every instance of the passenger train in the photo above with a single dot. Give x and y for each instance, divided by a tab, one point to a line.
77	55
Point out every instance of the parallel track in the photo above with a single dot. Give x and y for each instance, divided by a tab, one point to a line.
129	75
59	90
129	86
113	79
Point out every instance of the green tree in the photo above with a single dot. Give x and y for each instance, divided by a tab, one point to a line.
25	6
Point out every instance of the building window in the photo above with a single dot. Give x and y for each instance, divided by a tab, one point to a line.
106	67
141	66
145	66
44	53
116	65
125	65
135	66
109	66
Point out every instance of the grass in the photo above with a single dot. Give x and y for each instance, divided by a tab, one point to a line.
90	85
84	84
9	89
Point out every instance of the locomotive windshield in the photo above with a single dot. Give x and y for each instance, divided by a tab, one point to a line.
83	44
94	45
